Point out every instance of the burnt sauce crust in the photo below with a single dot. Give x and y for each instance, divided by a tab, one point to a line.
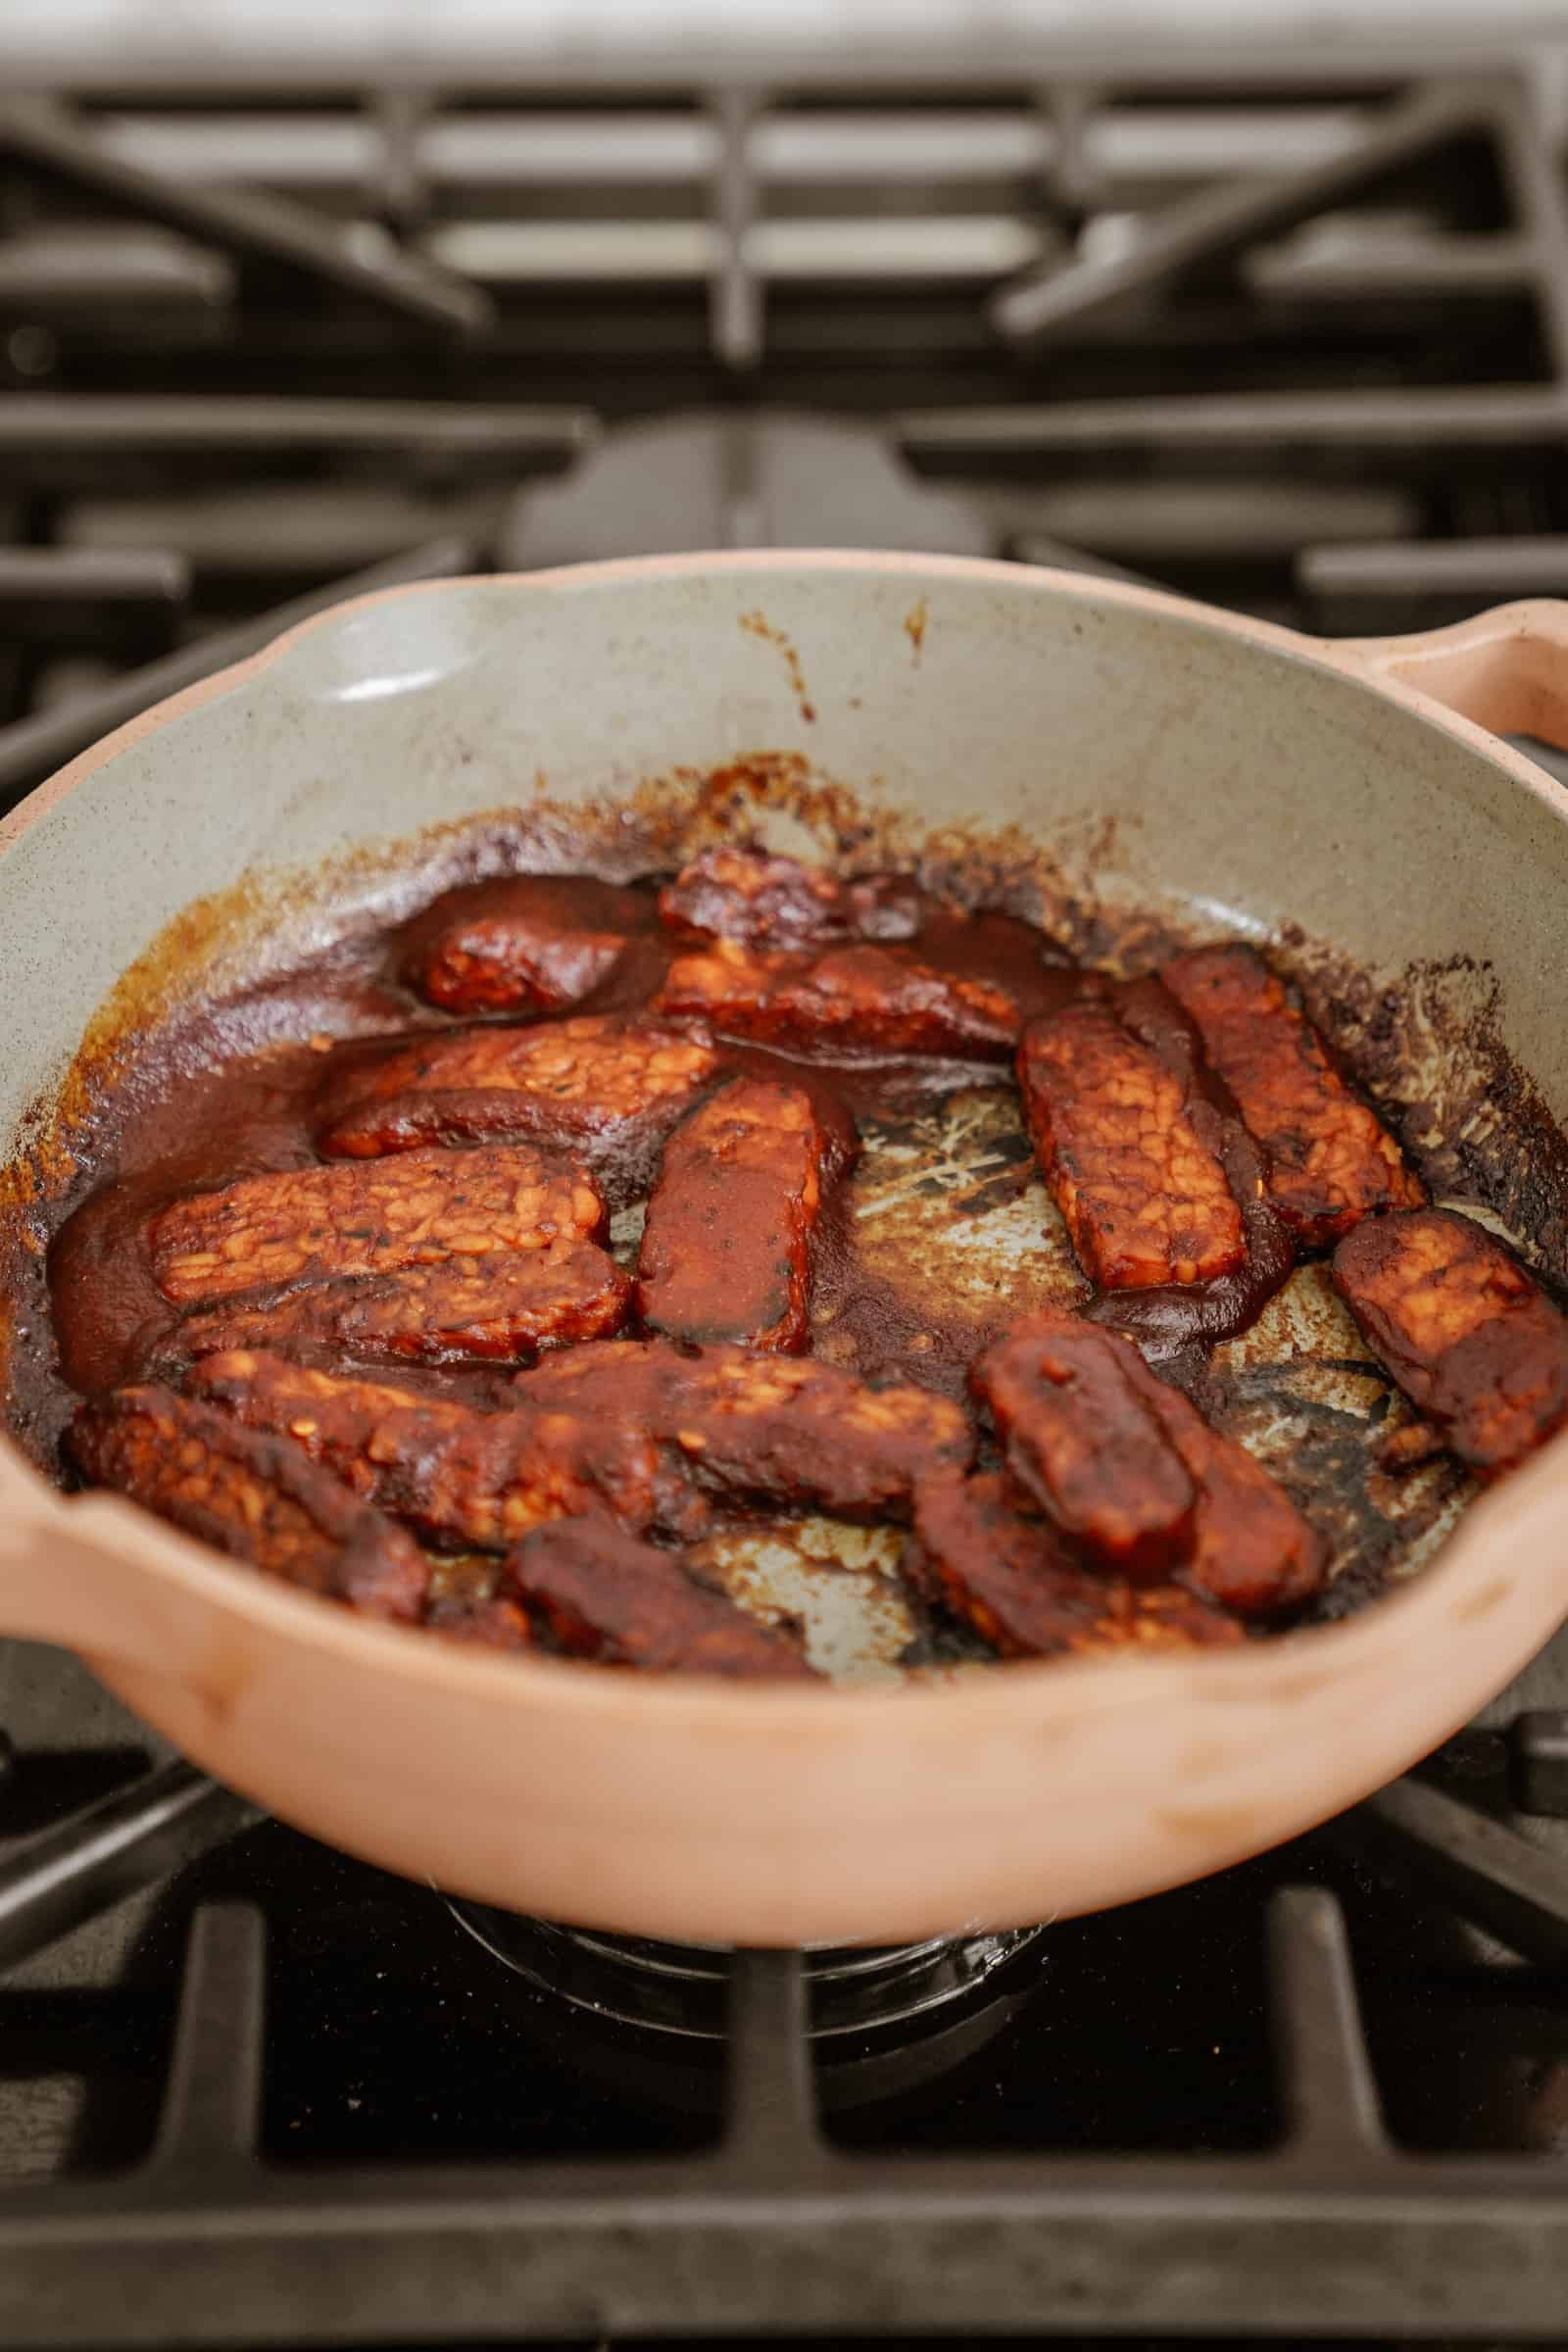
176	1128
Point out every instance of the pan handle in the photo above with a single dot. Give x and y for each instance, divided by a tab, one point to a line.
1507	669
35	1601
68	1576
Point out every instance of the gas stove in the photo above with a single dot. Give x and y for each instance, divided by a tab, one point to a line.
1288	331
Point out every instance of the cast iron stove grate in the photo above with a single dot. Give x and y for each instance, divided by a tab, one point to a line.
1285	330
1268	2197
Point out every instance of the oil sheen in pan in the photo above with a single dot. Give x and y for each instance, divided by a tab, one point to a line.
948	1213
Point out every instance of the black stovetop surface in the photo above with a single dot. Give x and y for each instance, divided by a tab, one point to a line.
1130	2092
393	2037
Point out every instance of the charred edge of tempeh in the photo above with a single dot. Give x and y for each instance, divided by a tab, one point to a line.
460	1476
1130	1469
1330	1161
604	1595
1471	1337
254	1494
766	900
750	1424
982	1552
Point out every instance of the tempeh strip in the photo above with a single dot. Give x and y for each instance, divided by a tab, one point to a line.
1470	1337
483	1479
531	942
726	1248
255	1495
1329	1159
310	1224
746	1423
772	902
985	1554
1127	1466
1145	1198
605	1595
606	1089
1078	1435
498	1309
854	1003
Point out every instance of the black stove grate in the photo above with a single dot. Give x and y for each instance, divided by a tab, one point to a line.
1320	2225
1286	331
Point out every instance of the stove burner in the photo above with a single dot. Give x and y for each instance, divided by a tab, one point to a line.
653	2018
683	1989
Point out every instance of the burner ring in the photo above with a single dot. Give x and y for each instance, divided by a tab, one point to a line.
683	1990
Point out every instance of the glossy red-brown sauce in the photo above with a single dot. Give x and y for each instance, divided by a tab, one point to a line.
234	1090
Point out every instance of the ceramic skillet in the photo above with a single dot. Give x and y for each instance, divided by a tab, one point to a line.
1139	769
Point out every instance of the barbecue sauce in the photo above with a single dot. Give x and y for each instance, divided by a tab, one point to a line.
234	1090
